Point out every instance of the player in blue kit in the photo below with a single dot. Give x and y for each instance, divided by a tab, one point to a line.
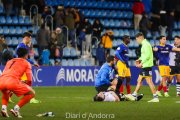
123	69
163	50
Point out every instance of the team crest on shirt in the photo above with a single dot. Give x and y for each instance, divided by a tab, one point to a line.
167	48
118	48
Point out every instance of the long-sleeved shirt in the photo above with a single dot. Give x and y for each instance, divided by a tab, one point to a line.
146	54
122	53
104	75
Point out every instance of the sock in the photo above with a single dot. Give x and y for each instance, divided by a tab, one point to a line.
128	87
4	107
25	100
160	87
121	90
16	107
155	95
165	89
118	85
178	87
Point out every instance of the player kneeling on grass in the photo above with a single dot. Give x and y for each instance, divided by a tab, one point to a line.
104	78
10	81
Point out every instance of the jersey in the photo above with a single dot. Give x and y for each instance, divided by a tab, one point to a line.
122	53
16	67
104	75
177	59
163	54
109	97
172	56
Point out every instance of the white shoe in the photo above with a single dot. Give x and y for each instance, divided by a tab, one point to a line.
154	100
166	94
130	97
16	113
4	113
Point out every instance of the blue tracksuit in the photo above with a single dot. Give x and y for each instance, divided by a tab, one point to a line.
104	75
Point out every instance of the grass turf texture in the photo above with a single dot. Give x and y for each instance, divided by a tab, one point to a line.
62	100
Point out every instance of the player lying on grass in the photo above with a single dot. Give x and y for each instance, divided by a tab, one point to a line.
145	63
175	65
122	65
104	78
111	96
10	81
163	50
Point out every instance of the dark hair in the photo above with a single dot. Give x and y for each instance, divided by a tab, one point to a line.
27	34
139	34
160	37
177	37
109	59
97	98
125	37
22	52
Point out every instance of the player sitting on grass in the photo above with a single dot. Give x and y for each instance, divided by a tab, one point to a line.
163	51
104	78
10	80
111	96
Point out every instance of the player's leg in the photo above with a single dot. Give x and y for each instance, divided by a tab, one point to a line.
169	81
128	86
178	84
164	79
27	92
153	90
138	86
5	98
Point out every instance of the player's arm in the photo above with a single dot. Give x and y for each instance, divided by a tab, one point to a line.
155	49
117	54
116	97
174	49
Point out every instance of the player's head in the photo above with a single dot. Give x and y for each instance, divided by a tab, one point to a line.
139	37
110	60
22	53
99	97
177	40
162	39
126	39
27	37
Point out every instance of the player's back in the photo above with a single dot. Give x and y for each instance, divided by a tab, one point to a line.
15	68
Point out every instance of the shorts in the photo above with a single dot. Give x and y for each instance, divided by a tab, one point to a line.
123	70
16	86
174	70
164	70
146	72
102	88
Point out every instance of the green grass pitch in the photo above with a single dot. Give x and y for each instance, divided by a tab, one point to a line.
78	100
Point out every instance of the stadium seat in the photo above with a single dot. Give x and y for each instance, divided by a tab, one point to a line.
64	62
1	8
21	20
14	20
8	40
12	30
70	62
73	52
82	62
36	52
8	20
2	20
27	20
14	41
18	30
1	30
5	30
24	29
66	52
76	62
112	52
52	62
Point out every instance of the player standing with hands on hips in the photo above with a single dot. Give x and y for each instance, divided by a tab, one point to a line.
145	62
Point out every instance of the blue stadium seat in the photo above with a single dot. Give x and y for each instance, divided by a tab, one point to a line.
20	39
116	33
27	20
15	41
8	20
52	62
36	52
21	20
1	30
66	52
88	63
82	62
24	29
5	30
112	52
14	20
76	62
126	32
34	42
114	43
12	30
64	62
1	8
2	20
73	52
18	30
121	33
70	62
8	40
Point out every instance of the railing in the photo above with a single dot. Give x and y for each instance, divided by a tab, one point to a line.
67	34
46	20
